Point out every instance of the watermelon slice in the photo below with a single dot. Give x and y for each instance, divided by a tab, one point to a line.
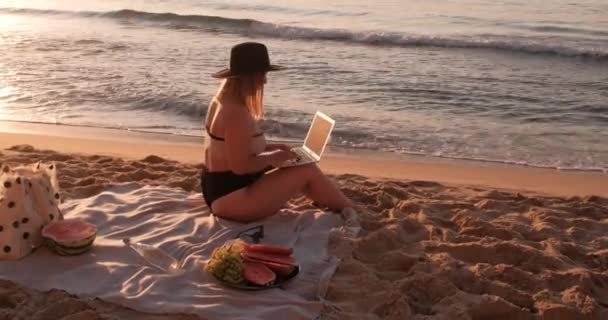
258	274
266	248
69	236
279	268
283	259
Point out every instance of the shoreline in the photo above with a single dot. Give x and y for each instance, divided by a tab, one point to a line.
21	126
188	149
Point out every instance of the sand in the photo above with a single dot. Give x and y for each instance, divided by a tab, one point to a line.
427	250
18	303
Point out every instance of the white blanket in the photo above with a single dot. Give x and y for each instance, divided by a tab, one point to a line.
180	224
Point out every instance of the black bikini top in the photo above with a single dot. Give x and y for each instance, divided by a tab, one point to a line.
214	137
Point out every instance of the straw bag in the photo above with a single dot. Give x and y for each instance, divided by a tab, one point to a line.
29	199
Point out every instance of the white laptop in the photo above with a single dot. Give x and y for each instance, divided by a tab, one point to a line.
315	142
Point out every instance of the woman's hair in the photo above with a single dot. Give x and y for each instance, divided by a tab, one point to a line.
247	89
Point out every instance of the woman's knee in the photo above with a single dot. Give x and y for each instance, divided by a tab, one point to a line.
303	172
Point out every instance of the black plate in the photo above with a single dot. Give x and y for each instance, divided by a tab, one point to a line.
280	281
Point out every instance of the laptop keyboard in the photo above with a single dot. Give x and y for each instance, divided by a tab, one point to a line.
300	155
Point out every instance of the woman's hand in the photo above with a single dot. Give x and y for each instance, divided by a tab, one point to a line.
277	146
280	156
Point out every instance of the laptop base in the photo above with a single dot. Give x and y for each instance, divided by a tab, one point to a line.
302	159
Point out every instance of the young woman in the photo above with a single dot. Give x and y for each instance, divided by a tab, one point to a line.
239	181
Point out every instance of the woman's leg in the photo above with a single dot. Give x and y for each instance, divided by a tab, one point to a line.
270	193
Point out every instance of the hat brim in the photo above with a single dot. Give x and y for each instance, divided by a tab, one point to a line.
226	73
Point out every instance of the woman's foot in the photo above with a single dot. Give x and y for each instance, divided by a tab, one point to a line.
351	222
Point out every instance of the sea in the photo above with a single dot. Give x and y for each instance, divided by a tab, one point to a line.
521	82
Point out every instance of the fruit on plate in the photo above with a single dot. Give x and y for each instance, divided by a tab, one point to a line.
69	236
264	248
258	274
278	268
240	263
277	258
226	264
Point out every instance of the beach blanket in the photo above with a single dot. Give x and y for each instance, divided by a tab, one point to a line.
180	224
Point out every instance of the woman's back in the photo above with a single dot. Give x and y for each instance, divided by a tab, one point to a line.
216	121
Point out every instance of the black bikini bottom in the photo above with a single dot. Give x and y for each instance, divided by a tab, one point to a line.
216	184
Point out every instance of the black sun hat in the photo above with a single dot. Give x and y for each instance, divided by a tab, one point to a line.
247	58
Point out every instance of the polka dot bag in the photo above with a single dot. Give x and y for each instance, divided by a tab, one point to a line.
29	199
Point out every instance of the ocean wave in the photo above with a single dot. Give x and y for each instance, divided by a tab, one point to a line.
167	17
185	105
260	28
222	5
563	29
503	43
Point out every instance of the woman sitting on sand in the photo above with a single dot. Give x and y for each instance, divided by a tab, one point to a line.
237	181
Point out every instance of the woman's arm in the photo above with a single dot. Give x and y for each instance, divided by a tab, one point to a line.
277	146
238	144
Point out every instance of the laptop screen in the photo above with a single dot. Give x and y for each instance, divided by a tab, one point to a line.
318	134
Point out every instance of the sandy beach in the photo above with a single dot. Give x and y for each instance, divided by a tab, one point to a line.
441	239
470	134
